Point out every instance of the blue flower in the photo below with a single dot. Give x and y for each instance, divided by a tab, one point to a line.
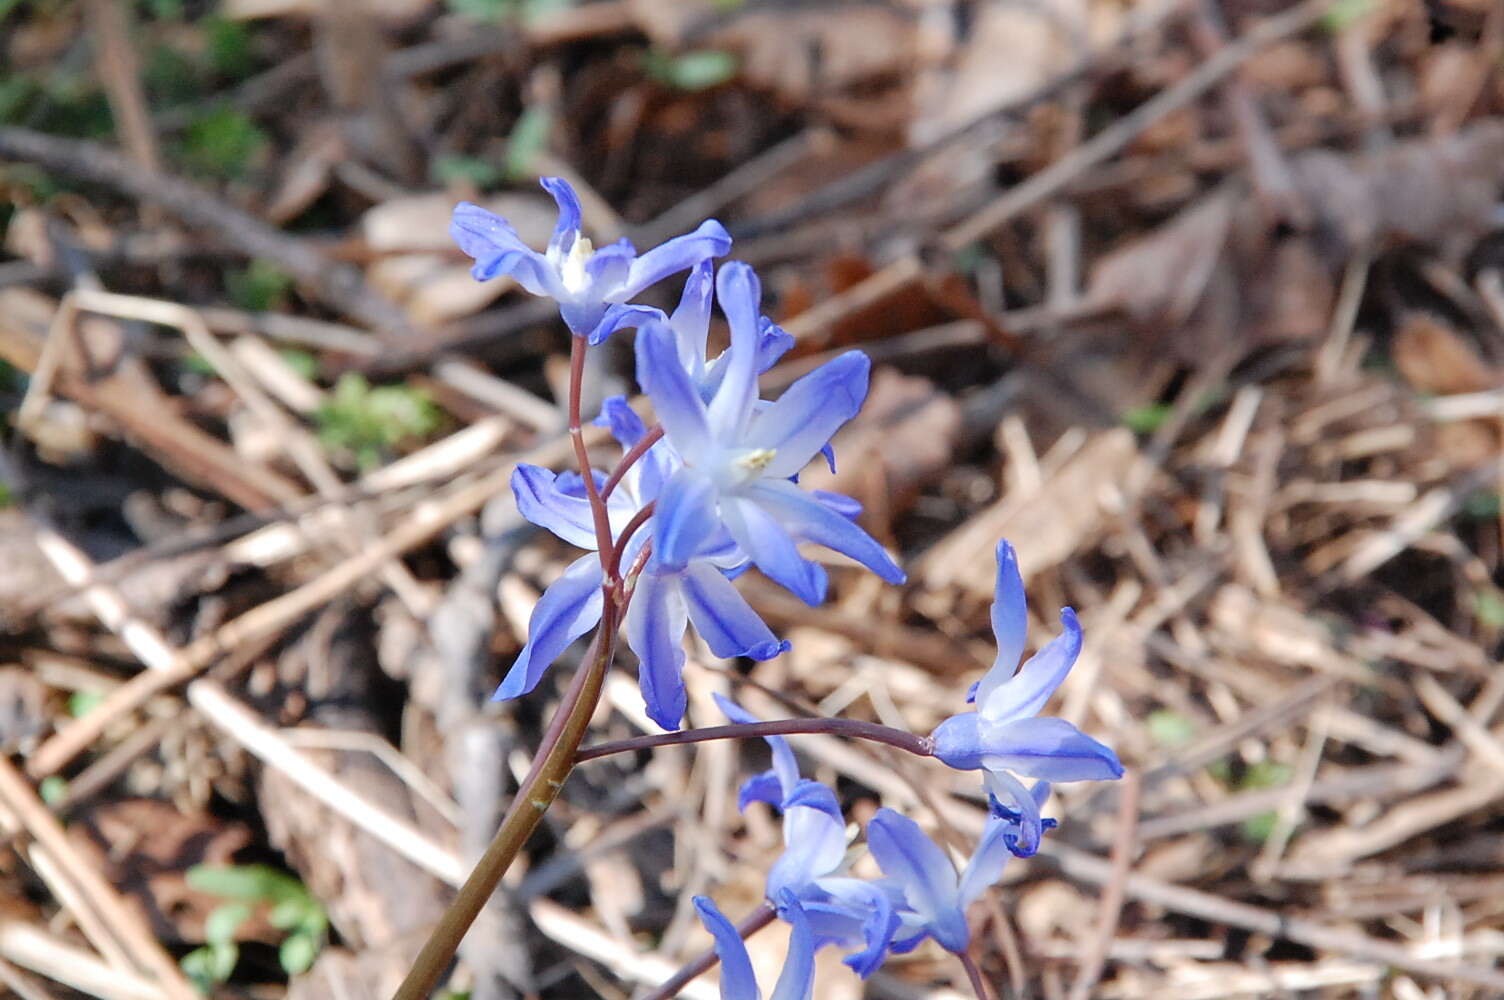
738	457
848	912
663	601
690	323
592	286
932	899
1004	736
796	982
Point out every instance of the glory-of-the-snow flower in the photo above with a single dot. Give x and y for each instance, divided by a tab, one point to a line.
593	286
1005	736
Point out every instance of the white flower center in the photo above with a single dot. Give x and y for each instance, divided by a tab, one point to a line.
750	463
572	271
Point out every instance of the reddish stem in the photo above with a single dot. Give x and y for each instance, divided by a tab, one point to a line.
582	455
628	460
613	568
978	984
921	746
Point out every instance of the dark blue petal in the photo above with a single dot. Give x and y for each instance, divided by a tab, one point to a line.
737	979
568	609
764	787
541	501
844	505
685	519
678	254
626	426
810	411
906	854
623	317
1048	748
655	631
738	291
676	400
567	229
773	342
829	451
807	519
768	544
723	617
797	981
873	909
1027	691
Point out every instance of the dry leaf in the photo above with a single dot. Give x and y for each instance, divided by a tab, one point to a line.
1161	276
391	11
1434	358
421	221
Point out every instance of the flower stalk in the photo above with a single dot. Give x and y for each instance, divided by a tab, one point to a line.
920	746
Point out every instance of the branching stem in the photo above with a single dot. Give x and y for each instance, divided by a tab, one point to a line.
921	746
630	459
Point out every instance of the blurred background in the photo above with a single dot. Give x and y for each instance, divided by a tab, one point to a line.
1198	302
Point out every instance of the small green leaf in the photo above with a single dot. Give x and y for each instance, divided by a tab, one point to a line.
1482	505
529	138
196	364
229	47
1488	605
691	71
1266	774
1170	729
248	883
368	423
53	789
81	703
1345	13
259	286
466	170
1146	419
1259	826
297	953
223	142
289	913
489	11
210	965
302	362
221	924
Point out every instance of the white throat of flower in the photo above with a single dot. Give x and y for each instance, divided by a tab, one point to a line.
572	268
749	464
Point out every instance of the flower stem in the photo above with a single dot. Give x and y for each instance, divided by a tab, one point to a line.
630	459
756	921
597	504
921	746
553	764
613	566
978	984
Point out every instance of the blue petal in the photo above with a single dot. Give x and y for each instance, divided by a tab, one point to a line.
828	450
988	860
1010	623
764	787
784	765
808	520
1021	836
737	979
809	412
691	320
768	544
567	229
1048	748
685	519
738	291
797	981
655	631
583	314
906	854
568	609
497	249
844	505
773	342
541	501
676	401
724	618
678	254
626	426
1026	692
871	906
814	837
623	317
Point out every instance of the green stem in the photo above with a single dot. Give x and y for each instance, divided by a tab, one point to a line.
551	768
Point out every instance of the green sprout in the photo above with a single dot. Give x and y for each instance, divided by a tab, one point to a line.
291	908
691	71
368	423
